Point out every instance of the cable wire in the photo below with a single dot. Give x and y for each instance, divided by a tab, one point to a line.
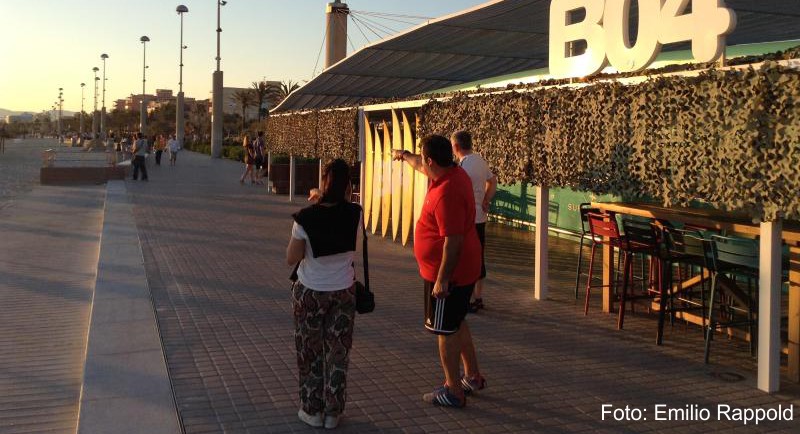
321	46
384	28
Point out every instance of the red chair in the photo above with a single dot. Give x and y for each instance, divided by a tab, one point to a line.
639	239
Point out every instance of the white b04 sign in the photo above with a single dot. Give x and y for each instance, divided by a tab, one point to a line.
605	30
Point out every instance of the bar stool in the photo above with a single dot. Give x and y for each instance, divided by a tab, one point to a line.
732	257
640	237
585	209
686	249
605	231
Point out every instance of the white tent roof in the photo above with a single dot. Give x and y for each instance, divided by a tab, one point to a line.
496	38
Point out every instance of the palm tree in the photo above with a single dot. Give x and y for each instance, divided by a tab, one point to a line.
287	87
261	90
245	98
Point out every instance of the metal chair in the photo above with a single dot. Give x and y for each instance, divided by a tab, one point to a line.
605	231
731	258
640	237
686	249
584	209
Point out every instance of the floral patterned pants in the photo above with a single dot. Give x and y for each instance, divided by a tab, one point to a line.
323	337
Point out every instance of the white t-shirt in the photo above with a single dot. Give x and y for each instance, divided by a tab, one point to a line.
479	173
326	273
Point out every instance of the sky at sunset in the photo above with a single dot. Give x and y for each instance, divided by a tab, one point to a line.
49	44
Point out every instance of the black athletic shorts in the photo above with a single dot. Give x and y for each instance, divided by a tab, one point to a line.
481	229
443	316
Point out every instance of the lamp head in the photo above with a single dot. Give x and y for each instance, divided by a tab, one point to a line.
83	84
144	39
223	2
181	9
95	69
104	56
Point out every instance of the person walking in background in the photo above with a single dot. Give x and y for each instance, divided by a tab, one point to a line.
484	186
259	147
140	150
249	161
173	147
448	253
322	246
159	145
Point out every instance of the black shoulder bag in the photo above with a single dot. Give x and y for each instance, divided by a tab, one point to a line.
365	299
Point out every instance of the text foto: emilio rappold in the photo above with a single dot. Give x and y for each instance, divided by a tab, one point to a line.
690	412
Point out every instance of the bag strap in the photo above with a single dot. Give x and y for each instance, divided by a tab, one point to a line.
364	251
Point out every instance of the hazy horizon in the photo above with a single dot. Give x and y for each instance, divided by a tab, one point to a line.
260	40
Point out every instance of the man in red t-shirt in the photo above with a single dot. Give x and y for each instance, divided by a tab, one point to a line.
448	253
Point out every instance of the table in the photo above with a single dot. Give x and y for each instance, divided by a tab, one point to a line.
719	220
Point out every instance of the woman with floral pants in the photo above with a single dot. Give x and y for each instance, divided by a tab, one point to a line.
323	337
322	247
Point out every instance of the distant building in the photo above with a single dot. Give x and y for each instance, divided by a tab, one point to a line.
22	117
163	95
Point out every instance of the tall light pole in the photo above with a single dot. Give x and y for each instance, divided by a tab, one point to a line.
103	56
81	119
60	106
216	97
179	120
143	110
95	124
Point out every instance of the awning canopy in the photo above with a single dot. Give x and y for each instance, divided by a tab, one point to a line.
496	38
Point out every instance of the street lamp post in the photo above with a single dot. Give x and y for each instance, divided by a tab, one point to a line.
216	97
81	119
143	110
60	106
103	56
179	116
94	112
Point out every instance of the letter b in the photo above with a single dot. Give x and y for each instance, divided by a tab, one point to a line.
563	32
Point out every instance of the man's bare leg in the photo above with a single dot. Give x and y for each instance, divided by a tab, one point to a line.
449	353
468	356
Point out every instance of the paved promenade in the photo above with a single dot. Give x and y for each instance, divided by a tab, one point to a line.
214	252
213	258
19	167
49	241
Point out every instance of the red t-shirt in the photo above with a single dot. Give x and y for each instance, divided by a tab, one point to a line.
449	209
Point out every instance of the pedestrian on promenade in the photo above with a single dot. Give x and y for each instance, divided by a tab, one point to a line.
140	150
448	252
259	148
160	146
249	161
3	139
173	147
484	186
323	244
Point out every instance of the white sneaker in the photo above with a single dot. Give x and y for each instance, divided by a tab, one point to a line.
332	422
311	420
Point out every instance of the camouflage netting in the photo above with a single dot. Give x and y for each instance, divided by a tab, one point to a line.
295	134
316	134
729	138
337	135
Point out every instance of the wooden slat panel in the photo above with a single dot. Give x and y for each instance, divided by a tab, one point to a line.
377	181
368	168
397	175
386	191
408	183
420	184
